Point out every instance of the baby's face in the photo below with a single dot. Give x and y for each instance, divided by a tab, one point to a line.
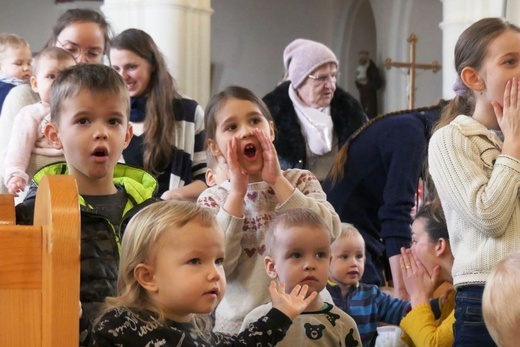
47	70
348	259
16	62
301	256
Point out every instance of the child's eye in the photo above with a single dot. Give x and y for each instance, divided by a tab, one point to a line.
321	255
255	121
114	121
296	255
83	121
194	261
219	261
344	256
359	256
509	62
230	127
51	76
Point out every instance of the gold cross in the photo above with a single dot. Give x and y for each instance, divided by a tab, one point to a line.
412	66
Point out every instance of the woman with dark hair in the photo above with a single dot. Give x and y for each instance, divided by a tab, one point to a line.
168	129
425	266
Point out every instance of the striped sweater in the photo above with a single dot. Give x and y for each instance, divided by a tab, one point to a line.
189	157
368	305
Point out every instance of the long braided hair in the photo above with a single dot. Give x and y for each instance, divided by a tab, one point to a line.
337	171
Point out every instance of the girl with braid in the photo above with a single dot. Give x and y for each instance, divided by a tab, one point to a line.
373	184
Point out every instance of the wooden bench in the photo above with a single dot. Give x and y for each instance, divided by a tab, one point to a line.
40	269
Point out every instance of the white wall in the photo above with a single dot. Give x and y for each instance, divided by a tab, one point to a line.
248	38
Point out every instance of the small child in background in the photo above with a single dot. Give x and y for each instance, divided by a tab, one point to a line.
216	173
171	276
239	128
298	253
500	305
15	63
365	303
30	122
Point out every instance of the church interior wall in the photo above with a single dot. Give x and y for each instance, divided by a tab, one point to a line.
248	38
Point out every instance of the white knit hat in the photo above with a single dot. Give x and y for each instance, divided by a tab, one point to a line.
301	57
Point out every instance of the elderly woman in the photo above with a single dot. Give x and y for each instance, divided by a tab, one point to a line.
313	117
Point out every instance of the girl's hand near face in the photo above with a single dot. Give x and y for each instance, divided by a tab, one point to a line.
271	171
508	118
238	178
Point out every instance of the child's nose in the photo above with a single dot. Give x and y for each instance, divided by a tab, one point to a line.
214	274
245	132
310	264
100	132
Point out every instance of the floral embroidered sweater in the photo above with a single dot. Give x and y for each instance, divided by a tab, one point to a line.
245	248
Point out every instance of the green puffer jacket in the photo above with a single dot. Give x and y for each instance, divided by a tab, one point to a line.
100	240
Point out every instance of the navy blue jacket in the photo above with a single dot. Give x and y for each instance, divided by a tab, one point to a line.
381	174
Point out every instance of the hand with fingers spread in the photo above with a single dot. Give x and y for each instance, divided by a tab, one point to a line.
271	170
508	118
418	282
236	174
293	303
238	178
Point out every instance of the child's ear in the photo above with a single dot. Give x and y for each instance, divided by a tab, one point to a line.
34	84
145	276
210	179
51	134
129	134
270	268
213	147
472	79
271	130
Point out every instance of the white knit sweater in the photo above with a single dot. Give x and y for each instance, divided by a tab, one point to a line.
247	281
479	192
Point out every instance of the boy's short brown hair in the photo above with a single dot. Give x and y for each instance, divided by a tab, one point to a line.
95	78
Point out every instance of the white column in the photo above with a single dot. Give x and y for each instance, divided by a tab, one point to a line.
457	16
181	29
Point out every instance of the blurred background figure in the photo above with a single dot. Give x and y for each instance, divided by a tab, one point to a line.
368	81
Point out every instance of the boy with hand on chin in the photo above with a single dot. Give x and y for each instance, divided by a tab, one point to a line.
298	252
90	109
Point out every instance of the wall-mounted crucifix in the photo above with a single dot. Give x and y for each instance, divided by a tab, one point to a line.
412	66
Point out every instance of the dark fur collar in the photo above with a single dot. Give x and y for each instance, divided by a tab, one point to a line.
347	117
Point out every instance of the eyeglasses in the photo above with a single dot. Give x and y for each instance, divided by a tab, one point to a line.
76	51
322	79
